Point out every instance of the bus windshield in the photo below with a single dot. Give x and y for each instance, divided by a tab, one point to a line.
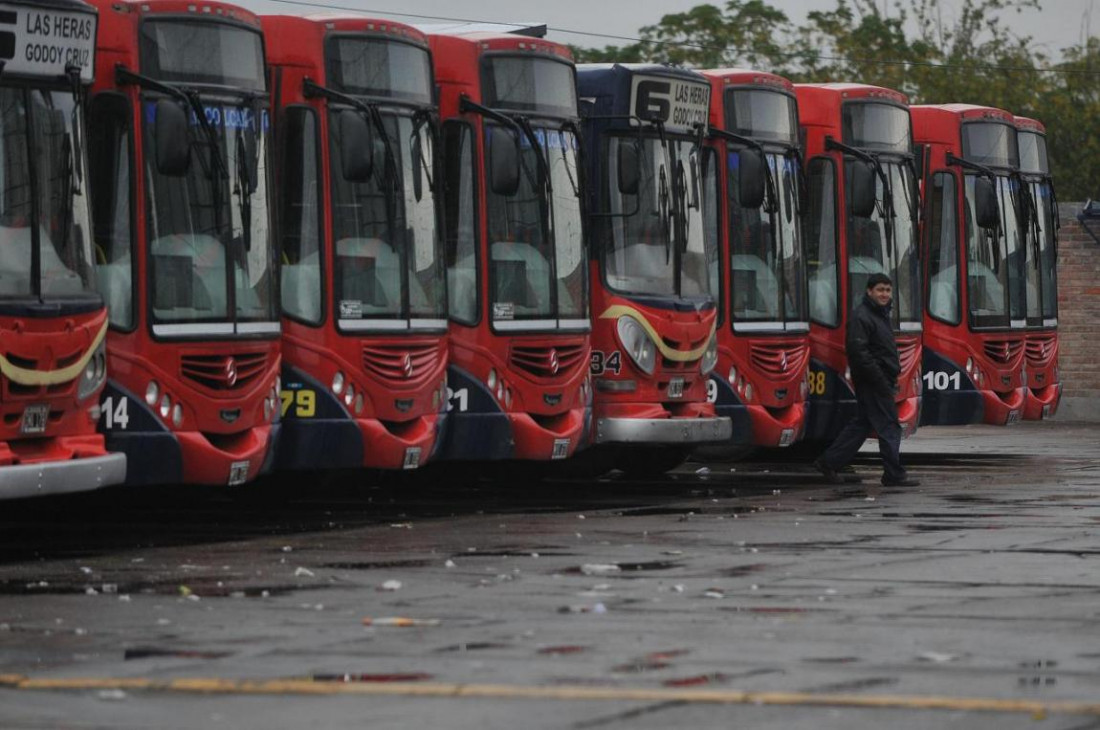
536	246
209	229
658	243
766	262
388	250
886	243
996	282
49	212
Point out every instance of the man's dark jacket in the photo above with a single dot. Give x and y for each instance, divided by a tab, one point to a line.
872	350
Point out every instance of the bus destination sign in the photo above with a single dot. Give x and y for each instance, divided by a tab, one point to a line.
679	103
44	42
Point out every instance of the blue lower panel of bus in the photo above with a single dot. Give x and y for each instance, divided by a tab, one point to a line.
477	429
129	426
728	405
949	397
317	431
830	406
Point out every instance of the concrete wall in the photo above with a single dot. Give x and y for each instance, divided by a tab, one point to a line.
1079	316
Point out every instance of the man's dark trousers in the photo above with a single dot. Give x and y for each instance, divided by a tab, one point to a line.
877	413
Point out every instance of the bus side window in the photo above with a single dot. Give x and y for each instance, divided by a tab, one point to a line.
460	222
109	167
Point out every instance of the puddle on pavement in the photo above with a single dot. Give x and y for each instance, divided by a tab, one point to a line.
371	678
150	652
202	589
472	646
562	650
684	511
651	565
856	685
380	564
742	570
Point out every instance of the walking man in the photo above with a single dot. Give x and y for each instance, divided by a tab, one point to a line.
873	361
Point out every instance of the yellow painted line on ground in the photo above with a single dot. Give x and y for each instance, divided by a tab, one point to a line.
202	685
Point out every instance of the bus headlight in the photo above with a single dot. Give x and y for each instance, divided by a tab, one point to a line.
710	355
637	344
338	383
152	392
95	372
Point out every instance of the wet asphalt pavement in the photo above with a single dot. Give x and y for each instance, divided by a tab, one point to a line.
725	595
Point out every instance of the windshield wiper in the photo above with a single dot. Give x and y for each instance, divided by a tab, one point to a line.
190	97
771	196
887	187
421	118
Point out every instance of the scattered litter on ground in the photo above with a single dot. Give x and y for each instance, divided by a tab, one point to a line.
304	572
600	568
390	585
400	621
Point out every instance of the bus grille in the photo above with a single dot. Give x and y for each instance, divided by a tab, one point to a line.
224	372
1004	351
779	359
407	362
1041	349
547	361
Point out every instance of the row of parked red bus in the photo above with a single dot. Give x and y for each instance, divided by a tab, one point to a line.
303	243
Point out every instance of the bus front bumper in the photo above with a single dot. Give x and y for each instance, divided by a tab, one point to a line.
61	477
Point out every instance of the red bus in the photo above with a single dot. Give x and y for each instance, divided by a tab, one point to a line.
179	127
1044	388
760	382
974	257
861	220
654	222
514	248
364	340
53	323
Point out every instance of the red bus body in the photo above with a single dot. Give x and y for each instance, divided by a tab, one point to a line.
975	312
183	234
517	292
364	375
53	323
764	331
873	121
1044	387
654	258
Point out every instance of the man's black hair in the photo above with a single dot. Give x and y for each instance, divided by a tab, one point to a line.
875	279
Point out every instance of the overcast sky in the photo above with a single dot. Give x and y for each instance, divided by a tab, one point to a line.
1063	23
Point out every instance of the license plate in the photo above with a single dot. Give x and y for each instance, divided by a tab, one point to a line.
238	472
561	449
1046	411
35	419
787	437
412	458
676	388
1013	417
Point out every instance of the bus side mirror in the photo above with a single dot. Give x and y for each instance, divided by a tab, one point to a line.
985	203
629	172
862	190
356	147
503	162
172	139
751	169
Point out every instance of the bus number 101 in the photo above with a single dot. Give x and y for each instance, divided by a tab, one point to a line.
939	380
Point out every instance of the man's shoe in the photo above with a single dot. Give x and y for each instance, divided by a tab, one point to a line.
828	472
903	482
